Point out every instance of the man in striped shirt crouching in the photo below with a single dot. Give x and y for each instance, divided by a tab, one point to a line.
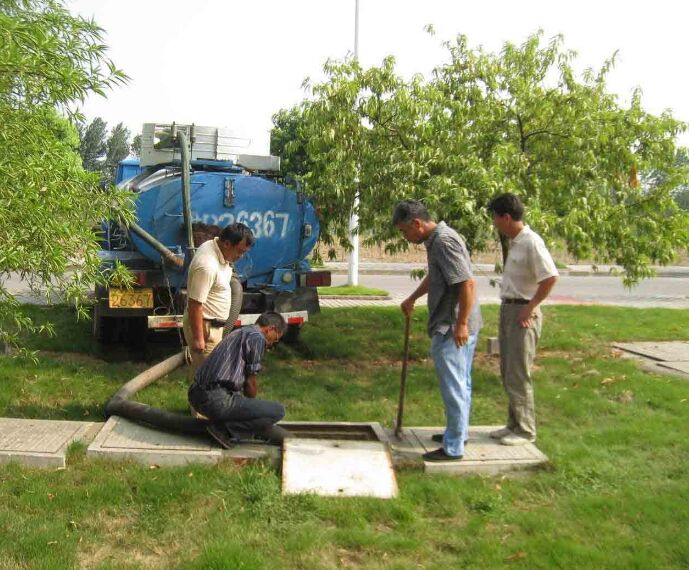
225	386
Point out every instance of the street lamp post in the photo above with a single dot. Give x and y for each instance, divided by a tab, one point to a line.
353	277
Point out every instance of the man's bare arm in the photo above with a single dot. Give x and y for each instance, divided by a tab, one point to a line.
544	289
195	310
466	298
251	387
408	304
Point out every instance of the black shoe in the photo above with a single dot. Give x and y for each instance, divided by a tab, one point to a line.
275	434
440	455
221	435
438	438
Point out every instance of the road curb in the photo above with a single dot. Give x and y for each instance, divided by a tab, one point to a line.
356	297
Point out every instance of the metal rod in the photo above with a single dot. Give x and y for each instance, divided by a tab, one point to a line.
403	381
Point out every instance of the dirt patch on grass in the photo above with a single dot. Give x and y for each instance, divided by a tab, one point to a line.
73	358
123	556
118	545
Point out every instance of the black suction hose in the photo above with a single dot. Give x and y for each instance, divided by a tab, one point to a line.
236	304
120	405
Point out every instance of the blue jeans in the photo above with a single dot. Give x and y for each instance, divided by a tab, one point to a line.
453	367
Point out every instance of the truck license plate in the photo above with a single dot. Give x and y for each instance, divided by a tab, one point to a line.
130	298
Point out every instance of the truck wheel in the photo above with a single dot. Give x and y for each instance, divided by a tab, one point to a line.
291	335
103	328
136	329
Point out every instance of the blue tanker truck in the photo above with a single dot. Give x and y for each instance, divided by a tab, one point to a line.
190	182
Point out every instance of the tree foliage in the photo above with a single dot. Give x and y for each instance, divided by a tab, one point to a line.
117	149
92	144
521	120
49	206
287	139
101	152
136	145
681	192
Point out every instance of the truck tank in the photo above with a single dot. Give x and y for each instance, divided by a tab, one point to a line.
274	274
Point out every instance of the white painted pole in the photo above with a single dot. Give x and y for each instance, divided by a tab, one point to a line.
353	277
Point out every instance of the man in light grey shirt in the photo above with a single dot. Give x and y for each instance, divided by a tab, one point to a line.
528	278
454	319
209	292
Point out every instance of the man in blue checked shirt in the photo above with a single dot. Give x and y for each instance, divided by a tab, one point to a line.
225	386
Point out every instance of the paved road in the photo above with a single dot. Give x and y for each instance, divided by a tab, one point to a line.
669	292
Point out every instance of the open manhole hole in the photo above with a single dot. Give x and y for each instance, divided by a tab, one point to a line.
350	431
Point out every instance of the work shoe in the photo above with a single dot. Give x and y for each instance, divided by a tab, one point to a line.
221	435
440	455
500	433
438	438
514	439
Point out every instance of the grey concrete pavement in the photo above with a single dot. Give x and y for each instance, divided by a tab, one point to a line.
382	267
667	292
578	284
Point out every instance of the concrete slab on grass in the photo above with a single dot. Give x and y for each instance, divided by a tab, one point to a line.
122	439
338	468
482	454
671	357
681	366
41	443
675	351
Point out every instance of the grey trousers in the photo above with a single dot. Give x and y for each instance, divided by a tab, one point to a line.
517	353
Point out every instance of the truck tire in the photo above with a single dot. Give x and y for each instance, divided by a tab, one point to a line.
136	330
103	328
291	335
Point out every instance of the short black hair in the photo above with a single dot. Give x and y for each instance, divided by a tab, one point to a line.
272	319
408	210
507	203
236	233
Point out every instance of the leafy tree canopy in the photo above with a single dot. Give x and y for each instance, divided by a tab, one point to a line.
101	152
92	145
136	145
681	192
49	206
117	149
521	121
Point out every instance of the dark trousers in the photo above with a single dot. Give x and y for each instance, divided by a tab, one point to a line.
240	415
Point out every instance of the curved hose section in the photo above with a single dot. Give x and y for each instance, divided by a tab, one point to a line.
120	405
235	304
167	254
186	186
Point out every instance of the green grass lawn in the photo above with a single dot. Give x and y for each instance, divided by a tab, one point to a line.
616	494
358	290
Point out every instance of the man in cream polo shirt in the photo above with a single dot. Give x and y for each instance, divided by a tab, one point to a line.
528	277
208	290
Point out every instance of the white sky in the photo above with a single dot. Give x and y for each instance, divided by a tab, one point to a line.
233	63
